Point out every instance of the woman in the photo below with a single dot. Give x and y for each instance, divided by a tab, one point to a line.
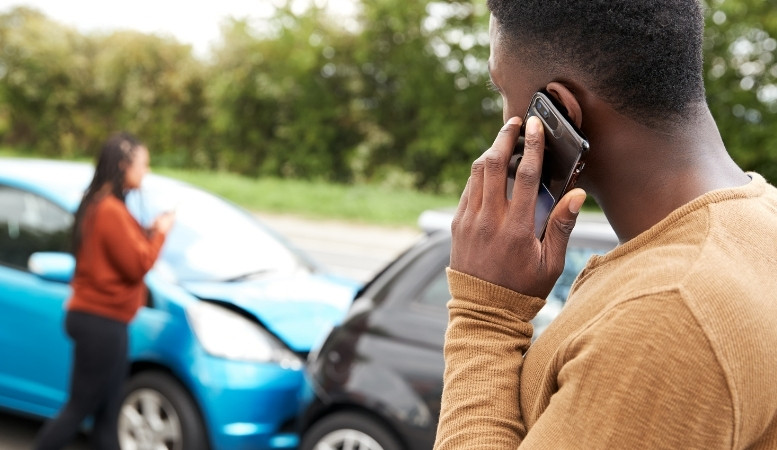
113	253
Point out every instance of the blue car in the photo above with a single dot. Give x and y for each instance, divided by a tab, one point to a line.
217	354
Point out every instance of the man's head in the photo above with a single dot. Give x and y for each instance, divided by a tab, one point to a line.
643	58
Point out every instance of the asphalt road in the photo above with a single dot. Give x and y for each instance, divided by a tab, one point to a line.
356	251
17	433
353	250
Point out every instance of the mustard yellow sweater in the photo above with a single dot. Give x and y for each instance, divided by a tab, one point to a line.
668	341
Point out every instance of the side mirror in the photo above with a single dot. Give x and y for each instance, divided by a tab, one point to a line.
433	220
53	266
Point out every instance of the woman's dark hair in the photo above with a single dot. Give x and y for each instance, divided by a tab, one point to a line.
115	155
643	57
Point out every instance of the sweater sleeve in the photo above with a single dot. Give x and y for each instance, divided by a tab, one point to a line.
488	332
631	379
127	247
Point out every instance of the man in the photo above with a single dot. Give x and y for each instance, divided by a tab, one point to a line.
669	340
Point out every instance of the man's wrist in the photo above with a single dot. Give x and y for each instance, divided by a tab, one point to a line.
469	288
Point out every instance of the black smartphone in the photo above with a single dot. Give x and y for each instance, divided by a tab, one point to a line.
564	158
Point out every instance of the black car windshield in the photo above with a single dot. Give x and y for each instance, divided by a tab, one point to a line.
575	261
212	240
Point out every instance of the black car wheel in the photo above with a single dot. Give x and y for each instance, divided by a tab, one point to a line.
349	431
158	413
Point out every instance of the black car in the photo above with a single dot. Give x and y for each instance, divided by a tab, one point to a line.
377	379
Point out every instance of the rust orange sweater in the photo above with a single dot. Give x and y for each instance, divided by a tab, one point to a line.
114	256
667	342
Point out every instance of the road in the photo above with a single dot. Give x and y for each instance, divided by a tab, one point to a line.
356	251
353	250
17	433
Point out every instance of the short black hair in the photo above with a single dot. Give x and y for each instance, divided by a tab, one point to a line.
644	57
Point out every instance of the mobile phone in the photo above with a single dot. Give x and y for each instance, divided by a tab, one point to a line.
564	158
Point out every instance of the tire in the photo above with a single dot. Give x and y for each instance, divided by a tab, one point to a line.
351	431
158	413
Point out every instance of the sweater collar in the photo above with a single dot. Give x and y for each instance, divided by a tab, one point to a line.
755	188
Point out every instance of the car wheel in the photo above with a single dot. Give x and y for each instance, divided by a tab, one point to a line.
349	431
158	413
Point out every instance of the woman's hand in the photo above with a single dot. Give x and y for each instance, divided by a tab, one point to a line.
493	237
164	222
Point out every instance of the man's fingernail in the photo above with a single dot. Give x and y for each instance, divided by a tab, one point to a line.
533	125
576	203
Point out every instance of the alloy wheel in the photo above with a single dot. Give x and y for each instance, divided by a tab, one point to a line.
148	421
346	439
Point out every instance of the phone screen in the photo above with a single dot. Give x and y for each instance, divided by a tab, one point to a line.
563	159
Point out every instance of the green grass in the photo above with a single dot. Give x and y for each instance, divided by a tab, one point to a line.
366	204
309	199
318	200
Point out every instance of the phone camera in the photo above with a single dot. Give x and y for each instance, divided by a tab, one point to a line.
542	109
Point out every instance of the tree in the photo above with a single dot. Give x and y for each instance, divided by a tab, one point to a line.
62	92
399	98
153	87
44	75
280	97
741	79
424	70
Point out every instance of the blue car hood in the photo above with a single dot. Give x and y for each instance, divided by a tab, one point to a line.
298	308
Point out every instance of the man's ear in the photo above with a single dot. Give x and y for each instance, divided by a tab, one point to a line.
567	98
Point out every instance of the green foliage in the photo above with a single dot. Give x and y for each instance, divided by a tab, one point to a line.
426	72
41	83
62	93
396	99
741	79
391	104
279	106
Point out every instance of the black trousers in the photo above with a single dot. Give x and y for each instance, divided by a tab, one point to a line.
99	369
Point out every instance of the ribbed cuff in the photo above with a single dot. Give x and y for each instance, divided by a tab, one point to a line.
465	287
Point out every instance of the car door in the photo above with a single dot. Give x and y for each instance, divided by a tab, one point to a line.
413	317
35	354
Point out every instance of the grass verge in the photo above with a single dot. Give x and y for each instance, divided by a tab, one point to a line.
317	200
309	199
367	204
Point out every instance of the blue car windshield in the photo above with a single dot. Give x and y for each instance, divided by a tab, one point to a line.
212	240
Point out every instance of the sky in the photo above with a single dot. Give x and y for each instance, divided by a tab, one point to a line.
190	21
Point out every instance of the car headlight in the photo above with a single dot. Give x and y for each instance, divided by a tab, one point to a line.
229	335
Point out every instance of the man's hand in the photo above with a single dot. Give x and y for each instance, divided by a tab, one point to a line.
493	237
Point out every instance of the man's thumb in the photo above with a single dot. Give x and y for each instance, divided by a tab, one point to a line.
562	221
